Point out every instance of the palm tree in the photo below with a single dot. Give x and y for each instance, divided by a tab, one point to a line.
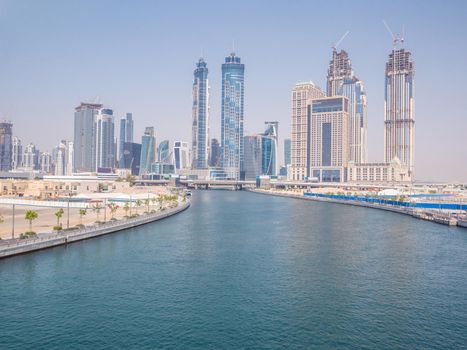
138	204
59	214
160	200
82	212
97	208
146	202
113	208
30	216
126	207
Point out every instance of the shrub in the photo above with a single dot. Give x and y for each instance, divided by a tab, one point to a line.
58	228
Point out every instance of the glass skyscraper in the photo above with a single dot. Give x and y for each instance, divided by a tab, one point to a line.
399	109
148	150
163	152
232	107
6	145
105	139
269	149
200	113
287	152
85	136
253	156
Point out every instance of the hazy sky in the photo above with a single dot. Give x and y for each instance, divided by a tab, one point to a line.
139	56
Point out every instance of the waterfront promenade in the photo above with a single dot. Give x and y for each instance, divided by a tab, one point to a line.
52	239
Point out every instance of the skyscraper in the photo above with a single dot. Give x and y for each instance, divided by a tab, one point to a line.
104	128
45	162
200	114
17	157
148	150
399	109
131	157
232	155
287	150
129	127
181	155
302	94
269	149
121	142
85	136
341	81
30	157
163	152
329	142
6	145
215	153
253	157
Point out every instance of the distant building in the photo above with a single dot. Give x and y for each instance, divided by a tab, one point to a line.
148	150
132	157
6	145
17	157
159	168
126	135
30	157
329	139
232	107
215	150
253	156
45	163
181	155
270	149
85	136
105	135
129	128
399	109
200	115
287	152
393	171
62	158
302	94
163	152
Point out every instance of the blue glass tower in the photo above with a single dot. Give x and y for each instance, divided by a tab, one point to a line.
148	150
269	149
200	112
232	143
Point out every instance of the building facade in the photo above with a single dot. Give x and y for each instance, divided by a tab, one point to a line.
302	94
163	152
6	146
393	171
270	149
181	155
399	108
132	157
85	136
329	139
105	139
232	117
287	152
253	156
215	153
17	156
148	150
200	115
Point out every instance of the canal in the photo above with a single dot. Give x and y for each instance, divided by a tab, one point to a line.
245	270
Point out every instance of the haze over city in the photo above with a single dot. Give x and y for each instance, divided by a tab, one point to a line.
139	57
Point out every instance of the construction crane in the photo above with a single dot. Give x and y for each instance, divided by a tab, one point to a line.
334	47
399	38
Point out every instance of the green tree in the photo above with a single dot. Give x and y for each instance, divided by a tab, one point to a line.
147	202
138	204
113	209
82	212
30	216
126	207
59	214
97	208
161	200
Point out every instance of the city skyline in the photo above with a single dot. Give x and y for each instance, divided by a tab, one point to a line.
264	101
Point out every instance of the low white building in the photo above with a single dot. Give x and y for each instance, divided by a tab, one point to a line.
394	171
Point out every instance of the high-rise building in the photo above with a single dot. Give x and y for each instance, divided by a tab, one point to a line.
129	127
200	114
232	155
131	157
148	150
30	157
341	81
253	156
287	150
163	152
105	143
181	155
121	142
62	158
269	149
45	162
215	153
302	94
399	109
17	157
6	145
329	138
85	136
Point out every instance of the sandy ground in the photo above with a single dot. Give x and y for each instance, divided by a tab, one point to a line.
47	220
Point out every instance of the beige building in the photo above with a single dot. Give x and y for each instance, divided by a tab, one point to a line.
302	94
394	171
329	146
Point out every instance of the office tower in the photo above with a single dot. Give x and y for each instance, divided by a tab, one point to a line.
200	114
302	94
69	158
129	127
329	138
104	128
341	81
30	157
215	153
132	157
45	162
6	145
399	109
232	154
148	150
269	149
62	158
17	157
181	155
163	152
121	142
85	136
287	150
253	156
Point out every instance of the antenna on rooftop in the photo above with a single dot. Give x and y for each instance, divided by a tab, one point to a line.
334	47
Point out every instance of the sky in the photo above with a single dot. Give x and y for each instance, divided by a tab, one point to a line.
139	57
